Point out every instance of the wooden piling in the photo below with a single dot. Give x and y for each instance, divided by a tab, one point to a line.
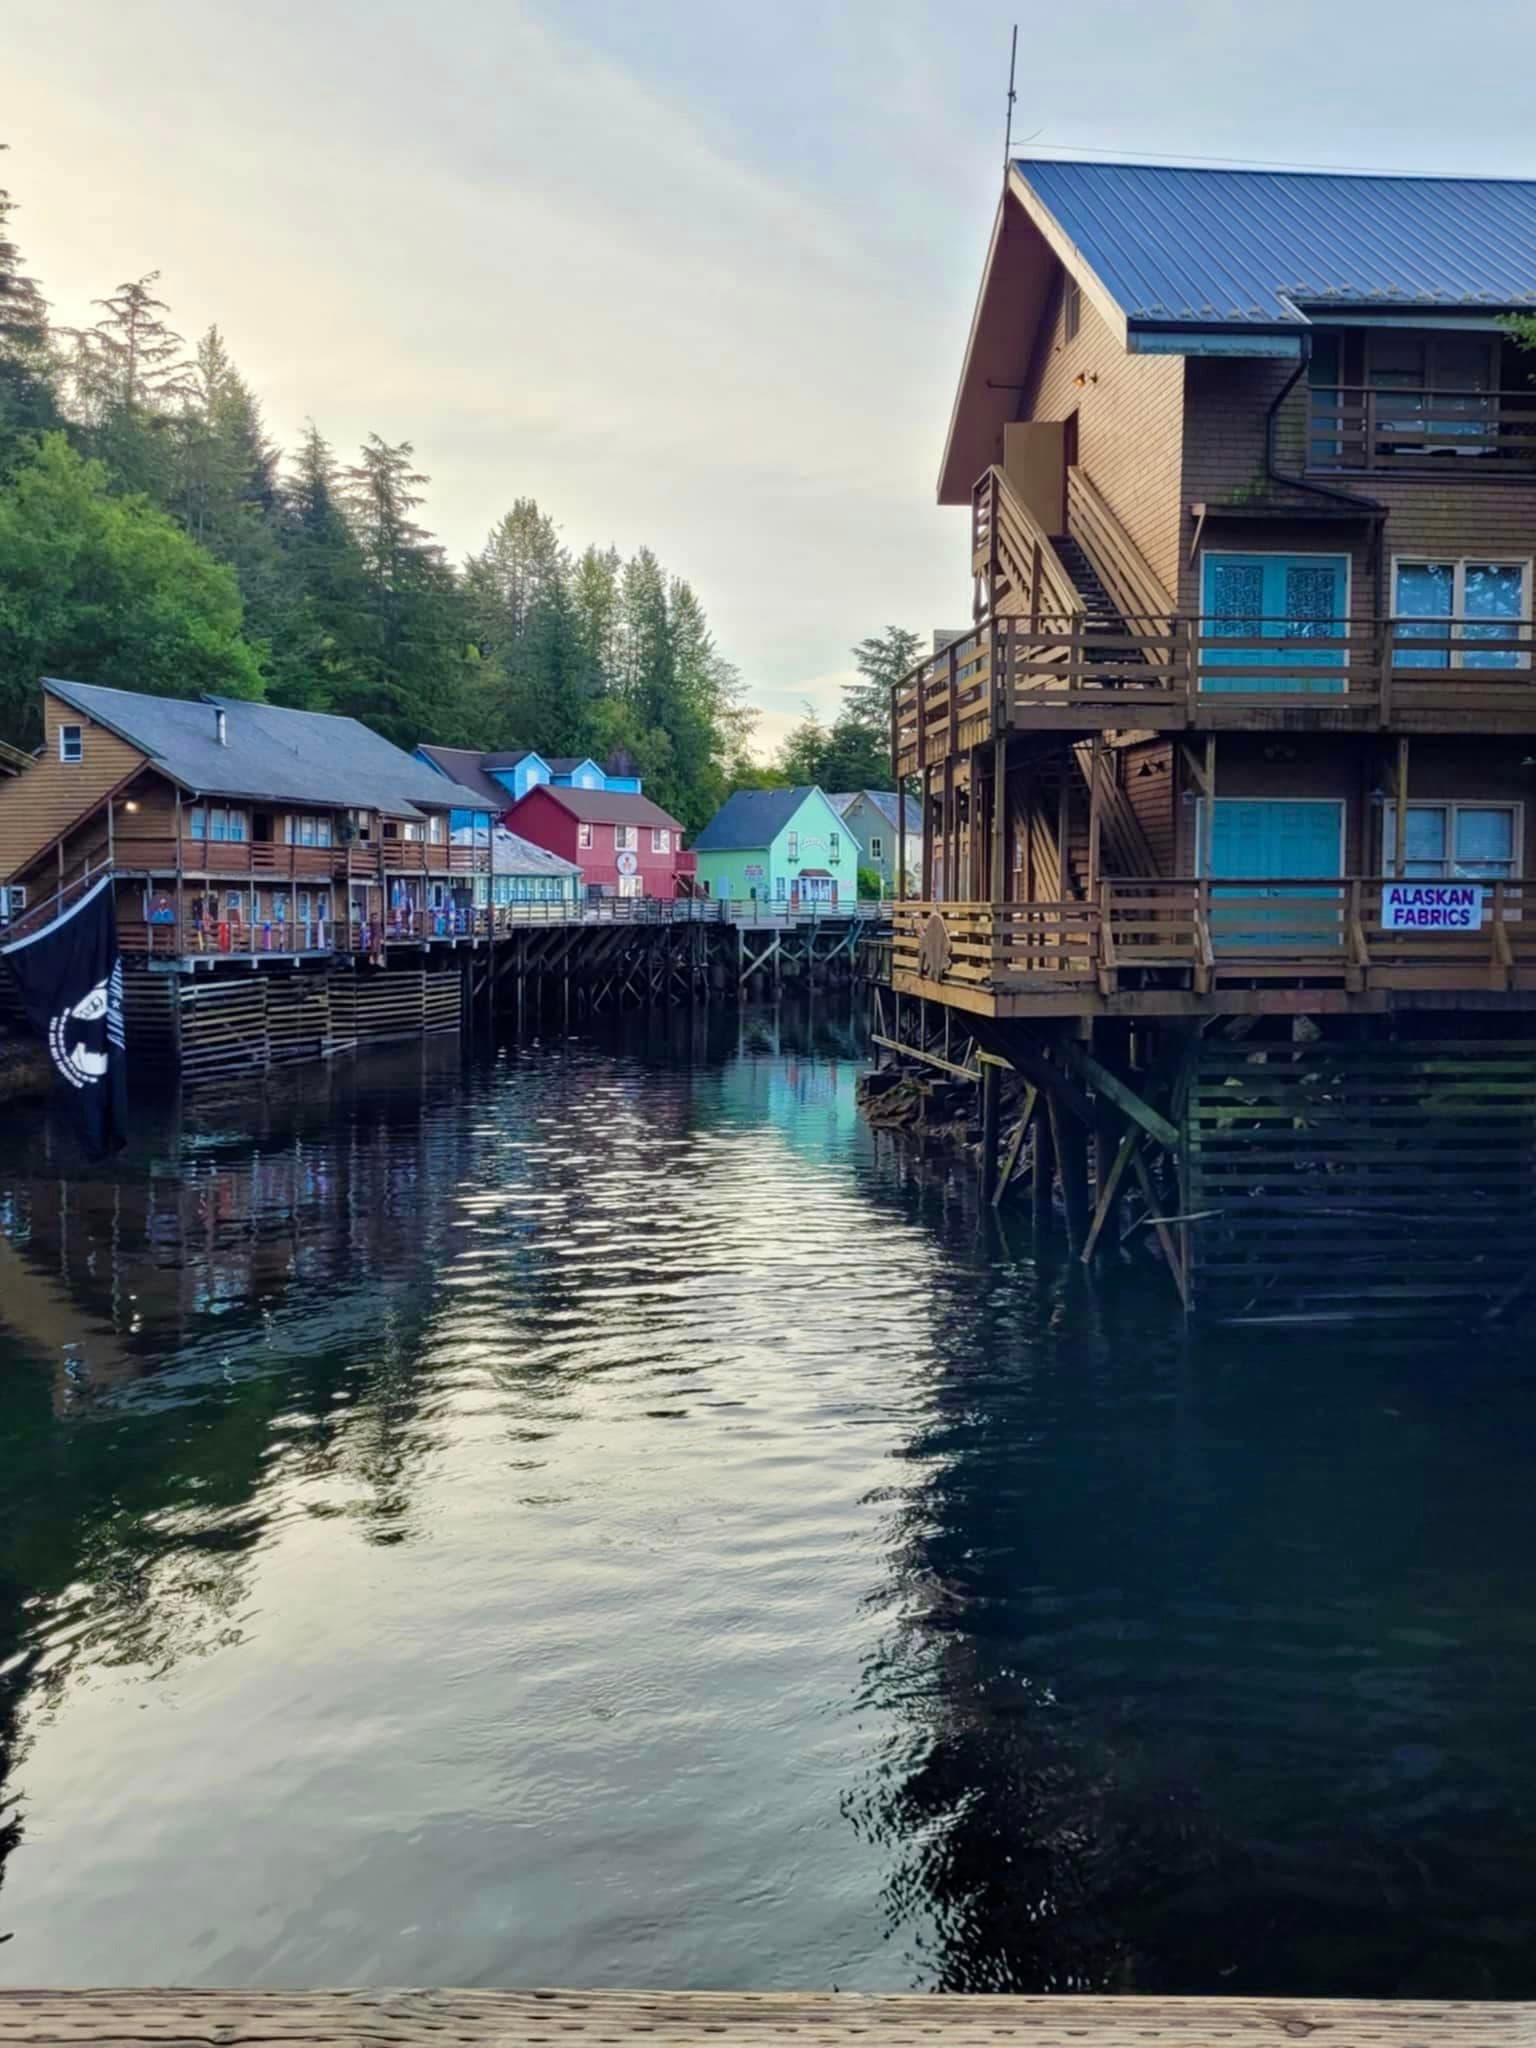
991	1106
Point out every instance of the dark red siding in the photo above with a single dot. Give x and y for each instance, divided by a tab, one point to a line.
541	817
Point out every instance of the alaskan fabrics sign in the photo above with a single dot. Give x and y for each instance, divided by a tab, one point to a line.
1432	906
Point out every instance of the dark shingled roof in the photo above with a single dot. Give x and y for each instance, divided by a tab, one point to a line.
750	818
606	806
884	801
305	757
464	766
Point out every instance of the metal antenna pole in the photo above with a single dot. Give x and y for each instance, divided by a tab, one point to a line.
1013	58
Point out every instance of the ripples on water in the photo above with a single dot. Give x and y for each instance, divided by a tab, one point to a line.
606	1518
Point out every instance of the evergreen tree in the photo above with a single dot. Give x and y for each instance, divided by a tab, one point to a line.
106	588
130	380
521	563
320	640
882	660
28	402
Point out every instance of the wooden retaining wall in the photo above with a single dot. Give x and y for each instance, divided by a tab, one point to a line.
221	1026
1393	1178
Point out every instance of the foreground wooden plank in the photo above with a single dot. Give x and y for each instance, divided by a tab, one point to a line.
567	2019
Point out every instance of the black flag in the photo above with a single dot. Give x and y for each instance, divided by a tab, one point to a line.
71	978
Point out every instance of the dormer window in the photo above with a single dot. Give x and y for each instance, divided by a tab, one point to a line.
72	743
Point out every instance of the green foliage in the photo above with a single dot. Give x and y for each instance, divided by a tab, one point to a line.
846	756
106	589
871	885
881	661
182	554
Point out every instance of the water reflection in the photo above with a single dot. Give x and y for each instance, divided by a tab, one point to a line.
603	1516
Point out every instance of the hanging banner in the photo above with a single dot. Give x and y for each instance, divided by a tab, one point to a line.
70	975
1432	906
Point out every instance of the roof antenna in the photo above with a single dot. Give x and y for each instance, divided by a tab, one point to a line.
1013	58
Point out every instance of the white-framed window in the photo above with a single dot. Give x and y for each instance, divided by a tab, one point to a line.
792	849
219	822
661	839
876	850
625	838
306	830
71	743
1463	600
780	888
584	838
1464	842
16	900
835	846
234	905
435	828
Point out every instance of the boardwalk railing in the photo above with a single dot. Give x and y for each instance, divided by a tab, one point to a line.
1167	671
1202	935
1447	433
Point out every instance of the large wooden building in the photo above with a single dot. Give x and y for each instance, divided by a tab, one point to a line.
1246	730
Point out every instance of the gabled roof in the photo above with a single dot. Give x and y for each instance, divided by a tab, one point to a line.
750	818
603	806
511	854
463	766
307	757
512	759
1188	261
884	801
567	764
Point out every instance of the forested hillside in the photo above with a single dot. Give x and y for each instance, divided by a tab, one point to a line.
151	535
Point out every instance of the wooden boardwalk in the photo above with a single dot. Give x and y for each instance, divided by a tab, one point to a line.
697	2019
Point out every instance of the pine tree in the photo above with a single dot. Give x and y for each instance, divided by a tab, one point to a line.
28	401
130	380
319	654
882	661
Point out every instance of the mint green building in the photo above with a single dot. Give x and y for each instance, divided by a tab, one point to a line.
787	847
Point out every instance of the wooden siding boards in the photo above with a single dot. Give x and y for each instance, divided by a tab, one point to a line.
49	796
1130	412
1149	782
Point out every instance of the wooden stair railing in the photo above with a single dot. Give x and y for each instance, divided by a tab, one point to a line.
1119	564
1123	841
1020	572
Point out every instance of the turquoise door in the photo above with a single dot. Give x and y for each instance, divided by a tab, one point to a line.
1270	606
1287	840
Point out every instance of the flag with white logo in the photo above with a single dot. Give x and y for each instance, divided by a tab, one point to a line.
71	979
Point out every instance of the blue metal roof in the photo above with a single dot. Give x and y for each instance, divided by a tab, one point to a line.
1215	247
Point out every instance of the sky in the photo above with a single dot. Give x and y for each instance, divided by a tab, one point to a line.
692	275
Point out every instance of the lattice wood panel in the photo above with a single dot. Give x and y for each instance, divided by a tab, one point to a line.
298	1018
1386	1179
151	1022
442	999
389	1003
223	1027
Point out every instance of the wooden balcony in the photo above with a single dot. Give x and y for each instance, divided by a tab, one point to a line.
269	860
1187	947
1171	672
1363	430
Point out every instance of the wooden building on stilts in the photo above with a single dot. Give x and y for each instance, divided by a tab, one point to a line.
1226	850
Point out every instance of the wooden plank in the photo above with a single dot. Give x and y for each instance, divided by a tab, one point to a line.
1105	1083
1108	1192
707	2019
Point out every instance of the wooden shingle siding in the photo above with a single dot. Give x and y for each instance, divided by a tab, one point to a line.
1129	426
46	798
1148	780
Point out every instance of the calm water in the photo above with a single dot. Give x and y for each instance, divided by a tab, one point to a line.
605	1518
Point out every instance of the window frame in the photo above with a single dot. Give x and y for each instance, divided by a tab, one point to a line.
584	836
876	845
626	839
1451	807
71	760
792	846
661	839
1458	566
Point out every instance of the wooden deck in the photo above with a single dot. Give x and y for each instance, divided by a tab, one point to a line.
568	2019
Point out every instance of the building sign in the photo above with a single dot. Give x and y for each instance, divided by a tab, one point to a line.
627	863
754	871
1432	906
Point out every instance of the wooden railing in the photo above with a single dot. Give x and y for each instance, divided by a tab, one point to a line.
277	860
1200	936
1122	568
1013	557
1449	433
1172	671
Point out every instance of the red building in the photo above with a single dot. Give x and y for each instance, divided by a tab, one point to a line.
624	845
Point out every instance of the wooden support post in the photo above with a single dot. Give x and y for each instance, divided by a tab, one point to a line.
991	1104
999	878
1400	810
1108	1190
1208	809
1164	1237
1016	1146
1045	1165
1064	832
1071	1142
1095	822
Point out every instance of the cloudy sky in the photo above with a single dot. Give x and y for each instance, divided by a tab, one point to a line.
691	274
